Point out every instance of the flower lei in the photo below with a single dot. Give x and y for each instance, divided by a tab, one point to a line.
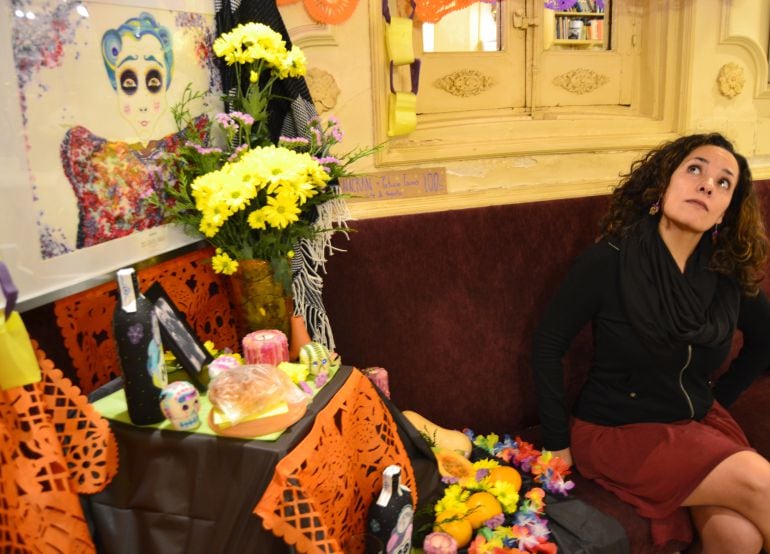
523	526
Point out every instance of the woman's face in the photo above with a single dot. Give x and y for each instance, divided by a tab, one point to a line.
141	79
700	189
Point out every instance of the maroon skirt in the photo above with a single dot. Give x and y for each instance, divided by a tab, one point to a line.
656	466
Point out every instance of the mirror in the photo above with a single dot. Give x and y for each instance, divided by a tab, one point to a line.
475	28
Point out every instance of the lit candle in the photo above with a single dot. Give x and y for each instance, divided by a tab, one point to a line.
266	347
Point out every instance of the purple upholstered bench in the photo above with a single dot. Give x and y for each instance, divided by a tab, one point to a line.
447	303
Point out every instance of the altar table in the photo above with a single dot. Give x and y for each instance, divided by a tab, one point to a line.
188	493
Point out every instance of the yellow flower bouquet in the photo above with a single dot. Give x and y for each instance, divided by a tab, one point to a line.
254	196
251	197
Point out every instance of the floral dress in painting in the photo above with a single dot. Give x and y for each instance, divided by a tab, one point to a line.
113	182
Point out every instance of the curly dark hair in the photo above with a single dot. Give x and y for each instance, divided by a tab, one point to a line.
741	246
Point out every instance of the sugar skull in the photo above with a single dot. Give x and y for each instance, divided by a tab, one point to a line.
180	403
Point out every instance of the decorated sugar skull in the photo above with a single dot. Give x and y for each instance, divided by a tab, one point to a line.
180	403
318	359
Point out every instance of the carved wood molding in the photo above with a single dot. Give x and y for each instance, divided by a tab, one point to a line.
465	82
731	80
323	89
580	80
732	29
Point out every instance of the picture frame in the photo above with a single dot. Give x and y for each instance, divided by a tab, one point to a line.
179	337
57	82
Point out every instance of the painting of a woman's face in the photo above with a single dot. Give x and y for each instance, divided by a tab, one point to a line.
141	76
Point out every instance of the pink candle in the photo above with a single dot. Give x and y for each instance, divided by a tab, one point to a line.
266	347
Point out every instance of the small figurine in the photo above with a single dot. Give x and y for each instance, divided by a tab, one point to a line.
179	402
318	359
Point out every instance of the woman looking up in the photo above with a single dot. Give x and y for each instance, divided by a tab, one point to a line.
675	272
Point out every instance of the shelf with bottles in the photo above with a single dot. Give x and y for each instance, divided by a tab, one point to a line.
583	25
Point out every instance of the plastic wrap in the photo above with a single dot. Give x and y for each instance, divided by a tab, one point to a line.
248	391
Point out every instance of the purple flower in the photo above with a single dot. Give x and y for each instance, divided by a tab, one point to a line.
237	152
202	150
317	135
291	141
328	161
242	118
495	521
225	121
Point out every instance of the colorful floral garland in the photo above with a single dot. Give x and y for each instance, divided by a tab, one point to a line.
523	526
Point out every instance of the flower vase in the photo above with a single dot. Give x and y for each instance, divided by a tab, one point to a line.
259	301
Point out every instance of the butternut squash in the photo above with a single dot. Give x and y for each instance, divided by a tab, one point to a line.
439	437
453	464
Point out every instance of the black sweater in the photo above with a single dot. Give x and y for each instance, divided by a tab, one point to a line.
626	382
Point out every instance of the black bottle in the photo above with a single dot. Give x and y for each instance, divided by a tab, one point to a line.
391	516
137	334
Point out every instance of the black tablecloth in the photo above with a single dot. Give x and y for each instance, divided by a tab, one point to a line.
189	493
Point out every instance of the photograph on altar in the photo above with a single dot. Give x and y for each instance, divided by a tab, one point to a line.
97	82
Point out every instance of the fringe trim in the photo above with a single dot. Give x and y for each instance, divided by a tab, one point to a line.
309	261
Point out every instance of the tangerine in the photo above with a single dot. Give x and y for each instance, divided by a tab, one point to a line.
457	526
482	505
506	474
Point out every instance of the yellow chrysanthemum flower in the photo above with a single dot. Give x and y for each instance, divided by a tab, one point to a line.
209	345
506	494
296	372
257	219
207	228
281	210
453	500
222	263
486	463
294	64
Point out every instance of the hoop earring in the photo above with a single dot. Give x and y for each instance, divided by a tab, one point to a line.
715	233
655	208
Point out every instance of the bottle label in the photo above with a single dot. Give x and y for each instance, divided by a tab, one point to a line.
156	365
126	289
400	540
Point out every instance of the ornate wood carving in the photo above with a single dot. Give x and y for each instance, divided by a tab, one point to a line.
580	80
323	89
465	82
731	80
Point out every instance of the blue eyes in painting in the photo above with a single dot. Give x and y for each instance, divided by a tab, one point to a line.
129	82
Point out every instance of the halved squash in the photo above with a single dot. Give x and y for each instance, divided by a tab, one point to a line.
452	464
439	437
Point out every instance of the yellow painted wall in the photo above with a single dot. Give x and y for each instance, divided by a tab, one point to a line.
723	32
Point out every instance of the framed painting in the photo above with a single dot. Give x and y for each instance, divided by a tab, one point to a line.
87	113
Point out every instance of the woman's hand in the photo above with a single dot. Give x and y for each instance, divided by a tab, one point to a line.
565	454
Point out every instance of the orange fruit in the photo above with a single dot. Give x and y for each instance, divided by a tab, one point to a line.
506	474
482	506
456	526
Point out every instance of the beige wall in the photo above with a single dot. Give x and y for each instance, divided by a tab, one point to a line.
717	32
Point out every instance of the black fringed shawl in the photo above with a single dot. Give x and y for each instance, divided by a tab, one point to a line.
289	116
